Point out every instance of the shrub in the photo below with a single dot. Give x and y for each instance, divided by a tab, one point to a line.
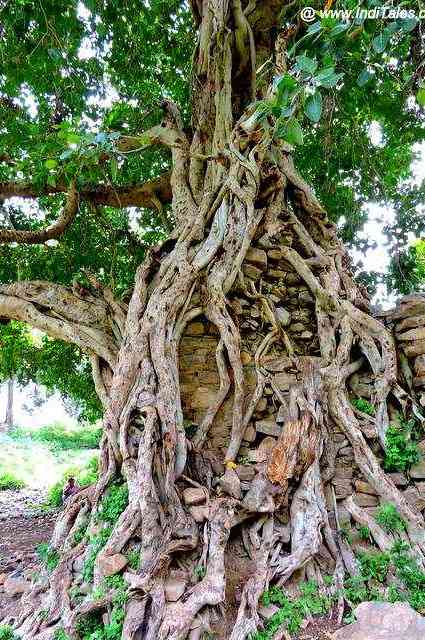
400	451
60	635
11	482
292	611
364	533
114	503
85	476
364	406
410	574
374	566
96	544
6	632
389	518
59	437
48	556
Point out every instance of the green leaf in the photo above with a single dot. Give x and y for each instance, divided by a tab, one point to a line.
420	97
66	154
306	64
364	77
114	168
338	29
313	107
408	24
327	77
293	132
51	164
72	137
380	41
314	28
51	180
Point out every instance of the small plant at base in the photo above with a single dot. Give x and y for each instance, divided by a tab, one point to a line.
133	558
48	556
292	611
374	565
400	451
410	574
199	571
7	633
9	482
96	544
364	533
80	533
114	503
389	518
60	634
345	533
364	406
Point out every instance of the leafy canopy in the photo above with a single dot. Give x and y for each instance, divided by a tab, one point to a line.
77	75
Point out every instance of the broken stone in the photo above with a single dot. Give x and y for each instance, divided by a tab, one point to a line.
418	471
399	479
194	496
231	484
268	612
268	427
246	472
199	513
175	586
365	487
415	498
203	398
276	273
365	500
16	584
245	357
283	316
343	487
415	348
384	621
110	565
274	254
195	329
250	433
251	272
259	498
257	257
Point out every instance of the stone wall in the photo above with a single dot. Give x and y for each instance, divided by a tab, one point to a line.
265	272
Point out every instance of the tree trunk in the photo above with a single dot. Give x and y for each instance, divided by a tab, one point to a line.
8	421
9	406
230	467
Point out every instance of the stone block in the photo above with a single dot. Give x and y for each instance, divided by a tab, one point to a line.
194	496
257	257
268	427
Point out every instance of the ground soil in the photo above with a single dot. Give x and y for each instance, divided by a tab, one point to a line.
22	527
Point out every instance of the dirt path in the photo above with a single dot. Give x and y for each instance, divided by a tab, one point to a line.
22	528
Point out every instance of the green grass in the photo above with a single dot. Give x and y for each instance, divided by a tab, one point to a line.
8	481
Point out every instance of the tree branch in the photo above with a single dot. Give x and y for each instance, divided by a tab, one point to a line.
142	195
56	310
49	233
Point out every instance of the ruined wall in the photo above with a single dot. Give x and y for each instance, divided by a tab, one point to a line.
266	273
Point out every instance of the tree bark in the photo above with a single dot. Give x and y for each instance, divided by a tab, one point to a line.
238	202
